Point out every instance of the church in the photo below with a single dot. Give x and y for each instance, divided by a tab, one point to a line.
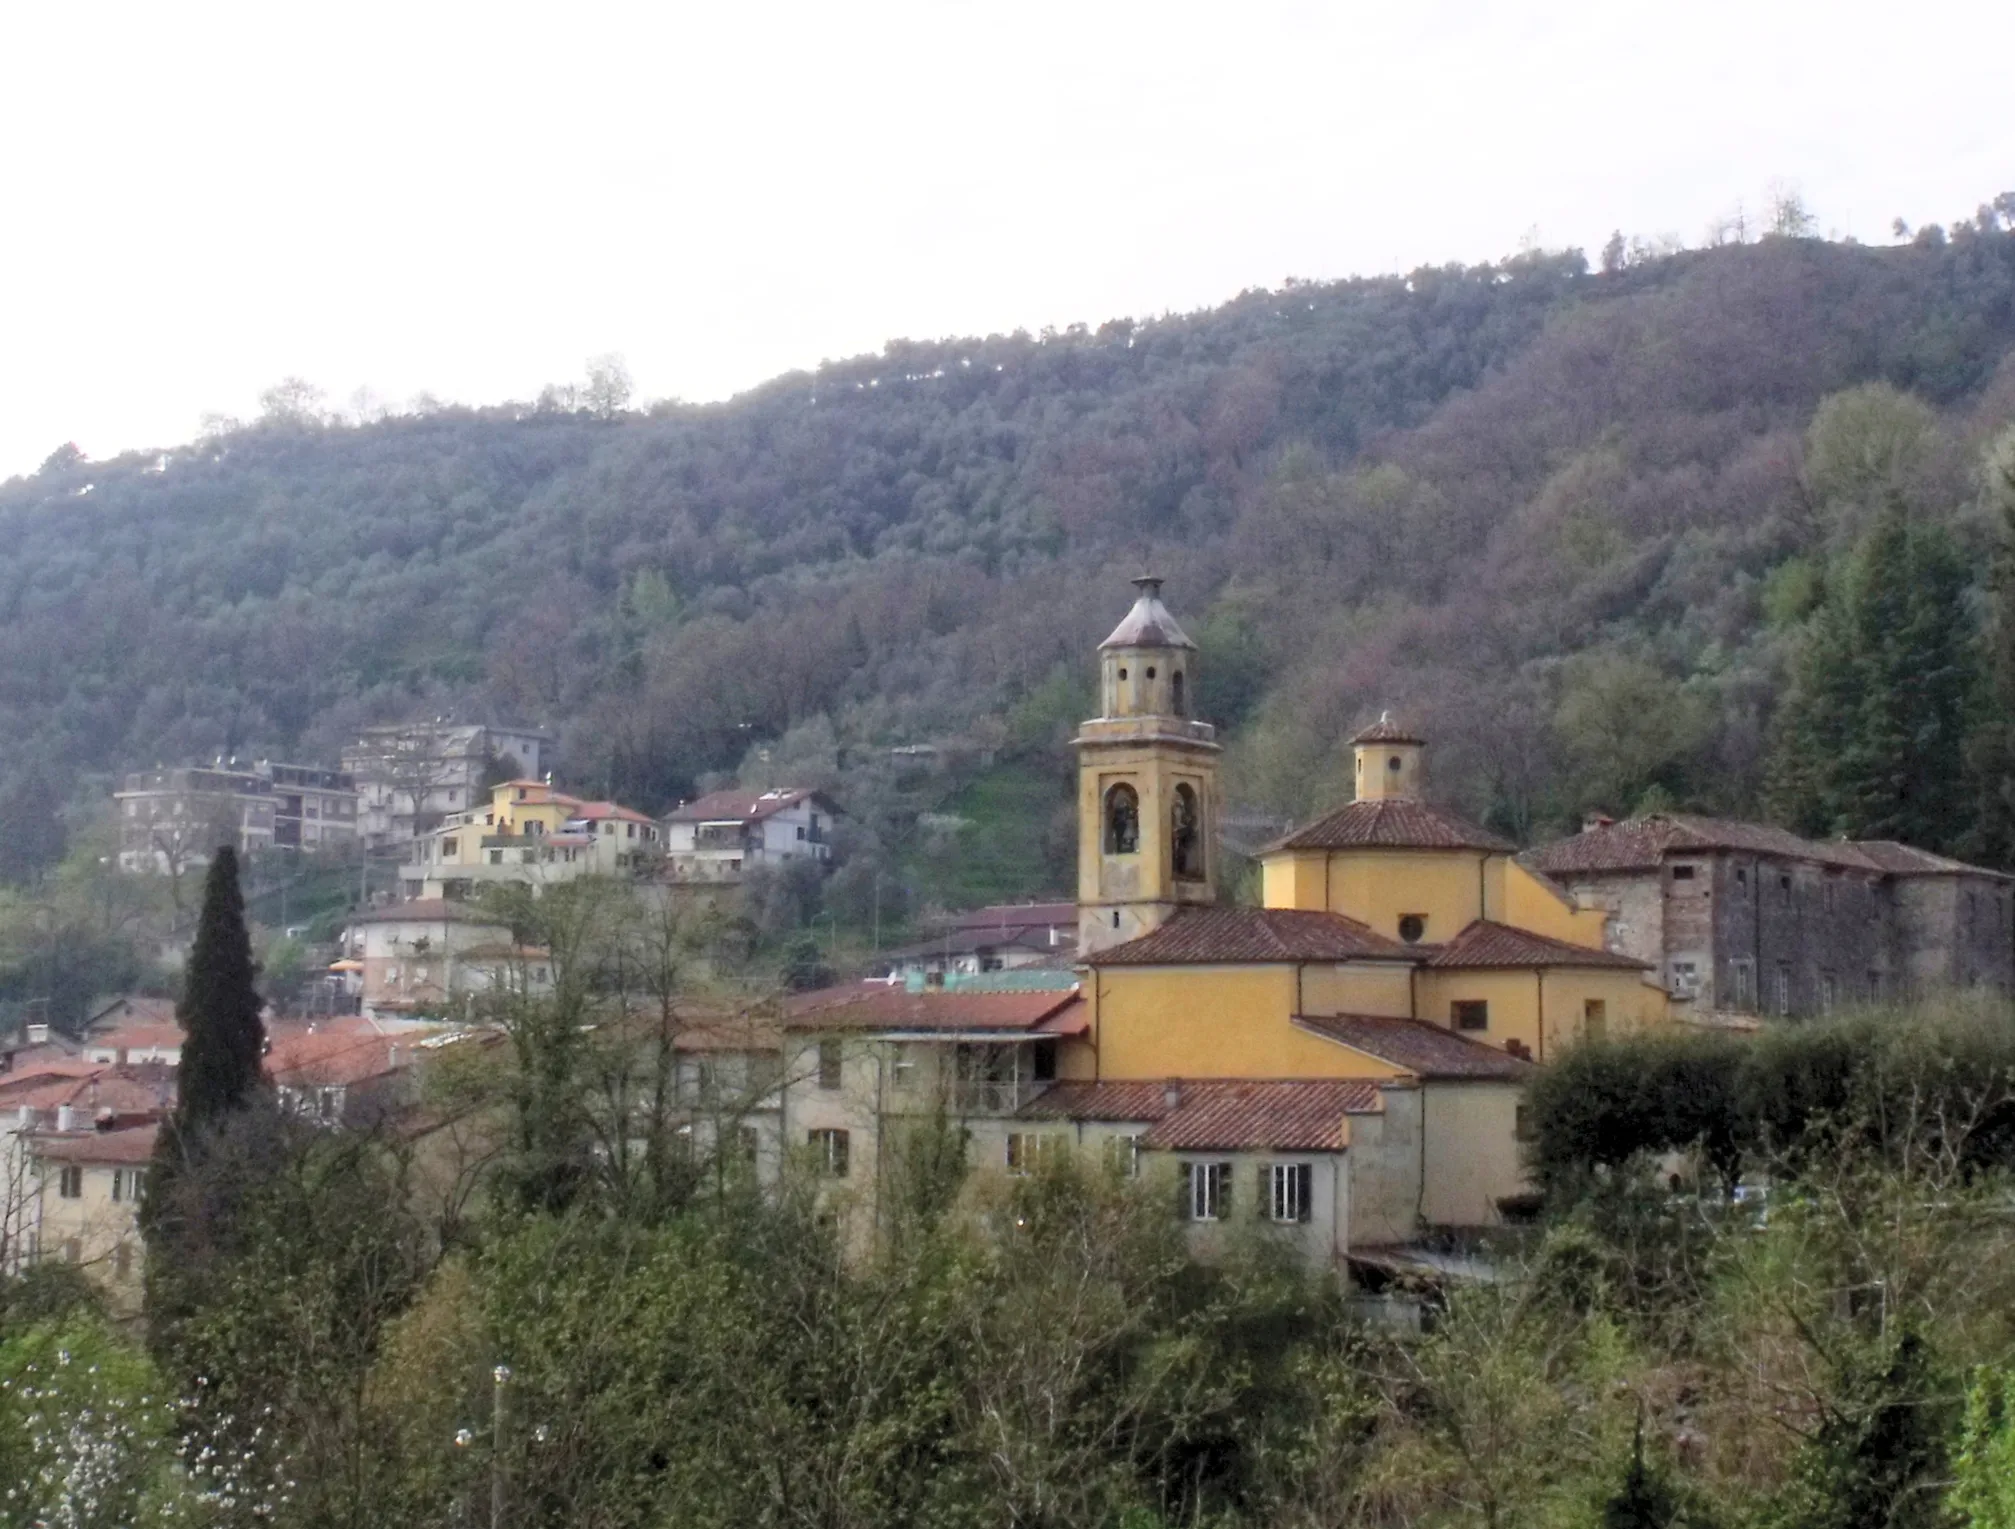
1344	1062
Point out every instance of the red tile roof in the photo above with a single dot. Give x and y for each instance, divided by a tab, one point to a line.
138	1035
1907	860
1385	730
599	810
1198	936
881	1006
740	806
1220	1114
1486	943
327	1059
1641	844
1425	1050
127	1146
135	1008
1018	916
105	1087
1392	824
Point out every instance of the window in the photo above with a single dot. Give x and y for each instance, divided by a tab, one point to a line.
1412	926
1742	875
1783	987
1470	1014
1122	820
1122	1155
1291	1188
829	1152
496	857
1521	1123
1042	1060
1826	894
1206	1191
1685	980
70	1182
748	1143
1181	704
1186	835
830	1057
1784	886
1028	1151
1829	992
1682	873
1743	976
1594	1019
126	1183
801	831
451	849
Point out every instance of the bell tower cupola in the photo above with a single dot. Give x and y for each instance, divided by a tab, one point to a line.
1390	762
1147	781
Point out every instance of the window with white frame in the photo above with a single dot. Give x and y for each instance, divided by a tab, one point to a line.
126	1184
1030	1151
1206	1191
70	1182
1290	1190
1122	1155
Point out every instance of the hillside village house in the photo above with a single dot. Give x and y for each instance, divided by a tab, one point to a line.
1003	937
1748	919
532	835
87	1180
431	956
719	836
411	775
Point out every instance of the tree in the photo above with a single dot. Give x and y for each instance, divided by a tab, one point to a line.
219	1012
1872	740
1991	746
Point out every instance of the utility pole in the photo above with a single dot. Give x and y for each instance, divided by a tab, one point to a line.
502	1376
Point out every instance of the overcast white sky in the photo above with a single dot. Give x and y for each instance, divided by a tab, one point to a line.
470	200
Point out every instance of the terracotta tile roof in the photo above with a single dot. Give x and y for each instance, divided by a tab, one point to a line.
105	1087
741	806
1074	1018
1220	1114
160	1011
1197	936
1641	844
1425	1050
1486	943
1018	916
1148	624
337	1059
1385	730
139	1035
129	1146
599	810
881	1006
1393	824
1907	860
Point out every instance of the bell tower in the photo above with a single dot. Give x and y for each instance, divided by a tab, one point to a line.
1390	762
1147	782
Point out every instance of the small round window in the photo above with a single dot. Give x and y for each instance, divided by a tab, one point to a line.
1411	927
1393	763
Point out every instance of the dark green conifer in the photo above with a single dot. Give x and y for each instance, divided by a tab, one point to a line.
219	1012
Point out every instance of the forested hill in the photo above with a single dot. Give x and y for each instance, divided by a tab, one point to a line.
1569	519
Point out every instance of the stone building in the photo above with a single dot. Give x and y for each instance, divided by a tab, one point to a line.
1746	918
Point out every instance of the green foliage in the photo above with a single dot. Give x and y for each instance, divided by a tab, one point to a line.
223	1039
1871	742
1983	1486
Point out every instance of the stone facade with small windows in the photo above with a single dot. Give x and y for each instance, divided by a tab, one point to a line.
1748	919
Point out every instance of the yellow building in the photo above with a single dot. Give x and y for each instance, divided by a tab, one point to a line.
1398	945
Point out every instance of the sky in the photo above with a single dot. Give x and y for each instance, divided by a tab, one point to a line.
469	201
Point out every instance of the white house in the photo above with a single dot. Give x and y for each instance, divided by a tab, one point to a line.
725	833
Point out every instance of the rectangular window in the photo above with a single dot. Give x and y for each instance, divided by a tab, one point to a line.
1122	1155
1042	1061
748	1143
1206	1191
451	849
801	832
496	857
1875	987
70	1183
1783	987
1743	977
829	1152
1682	873
1292	1189
1685	981
1470	1013
830	1057
1028	1151
1594	1019
126	1184
1829	992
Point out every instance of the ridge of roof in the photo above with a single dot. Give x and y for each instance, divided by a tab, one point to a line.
1641	843
1385	730
1391	823
873	1005
1485	942
1206	935
740	805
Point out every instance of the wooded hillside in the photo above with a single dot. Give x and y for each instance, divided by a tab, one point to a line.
1572	521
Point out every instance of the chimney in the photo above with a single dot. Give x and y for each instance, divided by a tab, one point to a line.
1171	1093
66	1117
1593	822
38	1035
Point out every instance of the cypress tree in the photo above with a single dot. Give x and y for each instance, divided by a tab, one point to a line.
219	1011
